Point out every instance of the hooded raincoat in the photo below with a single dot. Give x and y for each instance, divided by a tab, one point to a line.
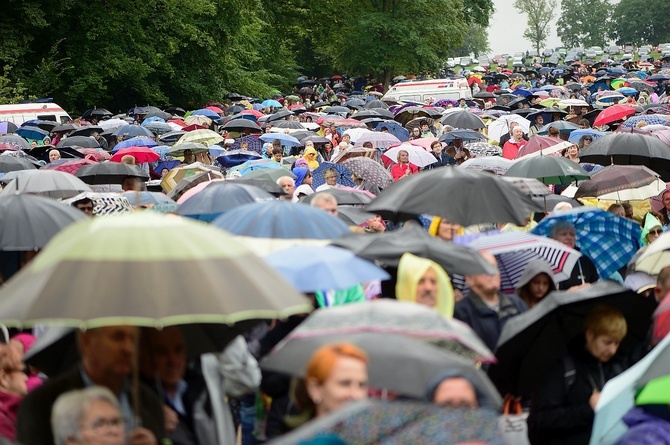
410	270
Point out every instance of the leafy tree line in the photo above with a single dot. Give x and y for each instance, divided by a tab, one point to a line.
120	53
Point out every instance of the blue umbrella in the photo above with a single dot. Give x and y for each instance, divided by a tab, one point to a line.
253	142
617	71
576	135
233	158
650	119
161	150
220	197
343	172
144	199
205	112
157	127
166	164
464	135
659	77
130	131
281	220
257	107
139	141
607	239
34	133
258	164
7	127
561	126
285	139
151	119
395	129
628	91
271	103
523	93
320	268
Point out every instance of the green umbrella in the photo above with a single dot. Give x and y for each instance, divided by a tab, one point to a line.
548	170
145	269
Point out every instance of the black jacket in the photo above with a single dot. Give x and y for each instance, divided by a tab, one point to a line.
560	412
587	270
444	160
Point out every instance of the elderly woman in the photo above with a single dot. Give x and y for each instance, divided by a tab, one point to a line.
403	168
88	416
585	271
330	175
512	147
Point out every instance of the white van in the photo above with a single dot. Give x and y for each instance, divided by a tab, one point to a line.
20	113
437	89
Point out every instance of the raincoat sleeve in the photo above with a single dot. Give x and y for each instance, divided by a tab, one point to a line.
239	368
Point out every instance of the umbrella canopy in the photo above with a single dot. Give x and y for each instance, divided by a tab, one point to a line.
111	203
220	197
464	135
269	174
407	114
8	127
576	135
146	199
501	126
542	145
558	320
130	131
178	174
548	170
139	141
28	222
285	139
78	141
205	137
195	147
321	268
528	186
495	164
14	163
115	261
417	155
613	114
69	166
291	125
47	183
109	173
15	141
34	133
343	175
240	125
387	248
345	196
621	183
378	139
236	157
656	256
607	239
141	154
374	422
463	119
370	171
494	199
650	119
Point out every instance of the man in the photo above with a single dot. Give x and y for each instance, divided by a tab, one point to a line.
562	410
443	159
539	123
85	205
196	411
106	360
325	201
54	155
507	136
457	388
485	309
189	157
423	281
288	185
457	151
100	140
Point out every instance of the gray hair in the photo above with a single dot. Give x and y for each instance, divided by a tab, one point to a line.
322	197
559	227
284	178
70	407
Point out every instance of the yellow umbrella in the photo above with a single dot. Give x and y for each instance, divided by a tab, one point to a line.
202	121
175	175
552	101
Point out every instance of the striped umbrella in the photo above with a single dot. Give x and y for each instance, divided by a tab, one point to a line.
111	203
205	137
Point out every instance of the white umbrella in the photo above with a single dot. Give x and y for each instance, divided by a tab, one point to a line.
355	133
48	183
417	155
378	139
572	103
111	124
500	126
496	164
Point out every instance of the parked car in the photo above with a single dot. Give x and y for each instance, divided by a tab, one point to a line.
517	62
626	57
484	62
598	50
466	61
591	54
613	49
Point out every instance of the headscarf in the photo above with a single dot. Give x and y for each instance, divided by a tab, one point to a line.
410	270
300	173
650	222
310	156
434	227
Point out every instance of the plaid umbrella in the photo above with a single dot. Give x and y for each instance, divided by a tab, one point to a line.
483	149
651	119
607	239
254	143
70	166
369	170
343	172
205	137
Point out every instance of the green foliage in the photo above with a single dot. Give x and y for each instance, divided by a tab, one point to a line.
540	13
584	24
476	42
10	92
640	22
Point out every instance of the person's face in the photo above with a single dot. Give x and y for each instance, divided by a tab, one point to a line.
307	179
288	187
109	350
328	147
376	224
539	285
448	230
567	237
167	351
416	131
86	208
437	148
653	234
587	142
602	347
585	110
277	157
164	172
129	183
517	133
539	120
456	392
347	382
331	179
426	289
573	151
54	155
630	213
666	201
346	138
244	146
424	127
483	283
403	157
188	155
101	424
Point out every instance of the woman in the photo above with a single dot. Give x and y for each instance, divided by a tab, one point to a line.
536	282
445	229
336	375
403	168
302	176
585	141
651	229
572	153
512	147
330	176
12	389
416	134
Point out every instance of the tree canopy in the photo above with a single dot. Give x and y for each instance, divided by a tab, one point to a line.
540	13
640	22
584	24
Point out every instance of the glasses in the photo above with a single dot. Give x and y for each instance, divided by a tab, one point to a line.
655	232
99	424
588	139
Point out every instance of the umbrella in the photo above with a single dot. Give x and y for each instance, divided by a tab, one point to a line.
371	422
198	120
558	320
528	186
47	183
206	112
241	125
28	222
387	248
464	135
353	216
257	164
12	163
145	199
170	138
285	139
269	227
613	114
650	119
281	114
34	133
370	171
500	126
204	137
114	262
195	147
542	145
175	175
495	164
44	124
621	183
111	124
7	127
378	139
343	175
69	166
271	103
130	131
109	173
220	197
514	250
607	239
78	141
655	257
139	141
463	119
619	394
321	268
407	114
345	196
264	184
15	140
236	157
141	154
395	129
190	179
104	203
268	174
576	135
496	200
548	169
417	155
254	143
483	149
156	127
290	125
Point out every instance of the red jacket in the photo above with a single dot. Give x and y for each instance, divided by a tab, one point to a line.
399	170
511	148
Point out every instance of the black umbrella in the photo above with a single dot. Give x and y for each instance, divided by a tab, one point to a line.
353	216
535	340
42	124
170	138
281	114
235	96
344	197
376	104
264	184
64	128
409	113
109	173
316	139
14	163
335	110
160	114
463	119
98	113
28	222
15	140
78	141
240	125
365	114
386	249
176	110
219	197
86	131
291	125
484	95
473	198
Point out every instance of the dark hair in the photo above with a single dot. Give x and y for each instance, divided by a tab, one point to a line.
277	151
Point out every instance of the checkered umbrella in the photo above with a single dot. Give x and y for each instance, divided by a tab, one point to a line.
650	119
344	175
607	239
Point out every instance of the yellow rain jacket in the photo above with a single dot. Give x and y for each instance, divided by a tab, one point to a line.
410	270
310	157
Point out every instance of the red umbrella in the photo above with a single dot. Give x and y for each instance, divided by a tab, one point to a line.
70	166
194	127
613	114
336	77
474	79
217	110
98	155
141	154
254	113
5	147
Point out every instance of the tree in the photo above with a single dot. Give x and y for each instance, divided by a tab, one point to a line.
477	42
584	24
540	13
640	22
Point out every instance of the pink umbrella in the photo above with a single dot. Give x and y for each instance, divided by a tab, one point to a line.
70	166
141	154
217	110
541	143
98	155
424	142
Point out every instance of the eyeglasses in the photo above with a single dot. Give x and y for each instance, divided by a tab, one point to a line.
588	139
656	232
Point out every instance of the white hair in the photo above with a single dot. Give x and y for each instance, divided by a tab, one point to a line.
283	178
70	407
322	197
